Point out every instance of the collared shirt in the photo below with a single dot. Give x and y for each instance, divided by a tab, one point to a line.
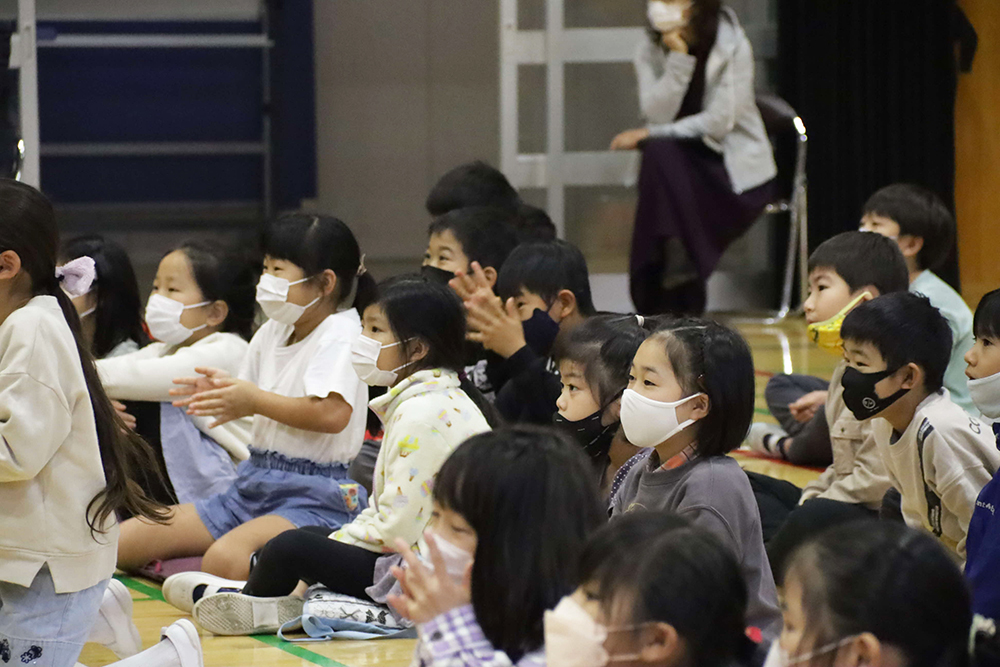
454	639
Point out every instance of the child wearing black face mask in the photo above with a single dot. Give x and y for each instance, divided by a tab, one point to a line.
593	363
939	458
544	291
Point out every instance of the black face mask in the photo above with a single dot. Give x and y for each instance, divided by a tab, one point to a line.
594	437
859	393
540	332
436	275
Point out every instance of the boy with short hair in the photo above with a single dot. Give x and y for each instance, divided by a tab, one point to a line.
471	184
844	271
544	290
480	234
939	458
920	223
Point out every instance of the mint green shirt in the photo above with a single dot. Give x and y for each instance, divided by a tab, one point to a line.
959	317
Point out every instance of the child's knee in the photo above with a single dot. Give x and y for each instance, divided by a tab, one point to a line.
228	559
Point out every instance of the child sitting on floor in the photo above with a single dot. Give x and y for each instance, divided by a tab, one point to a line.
938	457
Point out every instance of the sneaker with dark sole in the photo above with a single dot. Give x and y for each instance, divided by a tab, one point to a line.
236	614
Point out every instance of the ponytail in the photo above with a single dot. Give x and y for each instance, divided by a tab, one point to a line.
366	290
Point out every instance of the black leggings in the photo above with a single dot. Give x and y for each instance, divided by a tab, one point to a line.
309	555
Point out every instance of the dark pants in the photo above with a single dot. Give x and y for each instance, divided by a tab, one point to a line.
809	442
687	216
806	521
309	555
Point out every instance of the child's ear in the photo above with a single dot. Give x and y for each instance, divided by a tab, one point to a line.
328	281
491	275
865	650
566	301
218	311
418	350
700	406
614	410
10	264
665	646
873	293
913	376
909	245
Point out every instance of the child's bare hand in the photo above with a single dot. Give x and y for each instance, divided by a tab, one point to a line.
188	387
496	326
428	592
469	285
124	414
805	408
231	399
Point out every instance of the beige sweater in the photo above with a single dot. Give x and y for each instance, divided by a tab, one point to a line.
50	461
857	474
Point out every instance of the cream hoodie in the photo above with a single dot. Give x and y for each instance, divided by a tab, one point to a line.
50	460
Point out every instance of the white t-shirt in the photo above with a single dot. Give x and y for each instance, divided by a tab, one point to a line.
318	365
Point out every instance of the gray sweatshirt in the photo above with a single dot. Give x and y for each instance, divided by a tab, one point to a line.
714	493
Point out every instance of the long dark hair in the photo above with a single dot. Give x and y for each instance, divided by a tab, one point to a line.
890	580
229	275
28	227
531	497
677	573
118	317
316	243
419	309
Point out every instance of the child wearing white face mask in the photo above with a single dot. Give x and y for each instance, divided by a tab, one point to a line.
523	503
411	342
690	397
982	544
307	405
681	601
879	594
200	312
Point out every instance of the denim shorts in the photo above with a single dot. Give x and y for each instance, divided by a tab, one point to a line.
299	490
43	628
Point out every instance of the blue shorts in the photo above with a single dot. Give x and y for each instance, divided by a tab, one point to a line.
299	490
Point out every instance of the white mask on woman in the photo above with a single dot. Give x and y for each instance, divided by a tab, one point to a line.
163	317
574	639
985	393
666	17
272	295
648	423
364	357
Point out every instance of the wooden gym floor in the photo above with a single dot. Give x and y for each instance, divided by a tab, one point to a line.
777	349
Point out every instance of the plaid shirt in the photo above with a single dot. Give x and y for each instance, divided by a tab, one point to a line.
454	639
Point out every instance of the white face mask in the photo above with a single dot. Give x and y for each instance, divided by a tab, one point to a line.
163	317
272	295
574	639
778	657
364	357
456	559
648	423
985	393
666	16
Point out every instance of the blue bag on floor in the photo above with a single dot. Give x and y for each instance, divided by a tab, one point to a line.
327	615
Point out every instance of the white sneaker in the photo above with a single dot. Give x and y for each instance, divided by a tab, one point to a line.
180	589
238	614
763	439
114	627
183	636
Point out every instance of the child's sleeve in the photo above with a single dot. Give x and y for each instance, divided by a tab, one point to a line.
455	639
35	420
957	468
867	481
145	377
330	372
404	506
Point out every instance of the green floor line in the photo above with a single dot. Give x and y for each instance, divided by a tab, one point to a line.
271	640
298	651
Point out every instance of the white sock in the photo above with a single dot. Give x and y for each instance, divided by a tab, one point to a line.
162	655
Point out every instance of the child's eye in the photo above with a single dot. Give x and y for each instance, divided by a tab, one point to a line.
631	378
986	342
648	383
